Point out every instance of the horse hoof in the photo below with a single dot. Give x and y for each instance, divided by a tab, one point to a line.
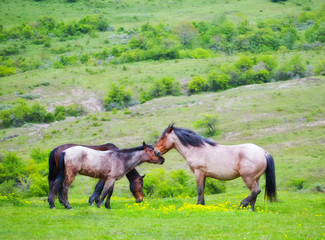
52	208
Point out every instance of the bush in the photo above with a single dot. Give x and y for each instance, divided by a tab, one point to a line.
75	110
59	113
11	167
117	97
36	183
316	32
209	124
21	113
218	81
320	68
197	84
7	71
294	68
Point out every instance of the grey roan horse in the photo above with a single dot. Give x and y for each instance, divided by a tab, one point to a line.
108	165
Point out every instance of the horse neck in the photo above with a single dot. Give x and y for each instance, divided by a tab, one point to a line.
132	159
185	151
132	175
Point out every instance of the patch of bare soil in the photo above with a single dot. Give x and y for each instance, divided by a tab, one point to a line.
89	100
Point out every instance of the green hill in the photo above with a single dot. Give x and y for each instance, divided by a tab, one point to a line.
93	44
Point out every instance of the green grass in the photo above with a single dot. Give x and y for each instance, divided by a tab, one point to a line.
135	13
285	118
294	216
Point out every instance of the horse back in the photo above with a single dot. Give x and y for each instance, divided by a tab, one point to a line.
89	162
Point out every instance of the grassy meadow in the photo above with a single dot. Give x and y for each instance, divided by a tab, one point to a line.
286	118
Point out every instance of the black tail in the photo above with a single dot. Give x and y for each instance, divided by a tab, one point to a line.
270	188
52	167
61	169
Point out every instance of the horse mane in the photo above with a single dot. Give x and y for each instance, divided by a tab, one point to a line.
189	137
129	150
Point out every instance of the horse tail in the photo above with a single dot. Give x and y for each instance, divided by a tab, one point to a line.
61	170
52	166
270	186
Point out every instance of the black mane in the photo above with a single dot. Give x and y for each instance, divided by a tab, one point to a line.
188	137
128	150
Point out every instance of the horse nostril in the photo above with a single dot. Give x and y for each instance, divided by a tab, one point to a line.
139	200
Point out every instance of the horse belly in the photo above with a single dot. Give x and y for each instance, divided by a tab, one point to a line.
95	172
221	170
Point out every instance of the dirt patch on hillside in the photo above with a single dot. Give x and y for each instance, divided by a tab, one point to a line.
89	100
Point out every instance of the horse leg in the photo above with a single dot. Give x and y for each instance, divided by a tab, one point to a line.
96	195
253	186
252	202
50	195
109	185
200	181
53	185
108	198
65	188
61	198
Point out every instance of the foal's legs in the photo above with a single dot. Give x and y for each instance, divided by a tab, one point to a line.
253	186
200	181
65	188
96	195
54	185
107	191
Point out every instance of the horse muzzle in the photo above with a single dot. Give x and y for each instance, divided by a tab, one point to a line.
158	154
162	160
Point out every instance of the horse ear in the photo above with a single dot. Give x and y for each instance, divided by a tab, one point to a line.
144	145
170	128
143	176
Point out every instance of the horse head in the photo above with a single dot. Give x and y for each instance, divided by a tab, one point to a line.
164	144
136	187
151	156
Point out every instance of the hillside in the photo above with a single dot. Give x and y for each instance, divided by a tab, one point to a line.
75	61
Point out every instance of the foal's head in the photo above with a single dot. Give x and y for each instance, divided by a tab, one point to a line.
150	155
164	143
136	187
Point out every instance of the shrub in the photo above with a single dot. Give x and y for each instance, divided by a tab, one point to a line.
11	167
209	124
316	32
75	110
35	183
59	113
244	63
320	68
297	184
7	71
294	68
117	97
197	84
10	50
201	53
21	113
218	81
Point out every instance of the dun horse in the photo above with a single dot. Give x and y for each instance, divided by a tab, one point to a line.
135	179
108	165
209	159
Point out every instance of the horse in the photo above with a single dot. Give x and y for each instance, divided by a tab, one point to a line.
207	158
135	179
109	166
